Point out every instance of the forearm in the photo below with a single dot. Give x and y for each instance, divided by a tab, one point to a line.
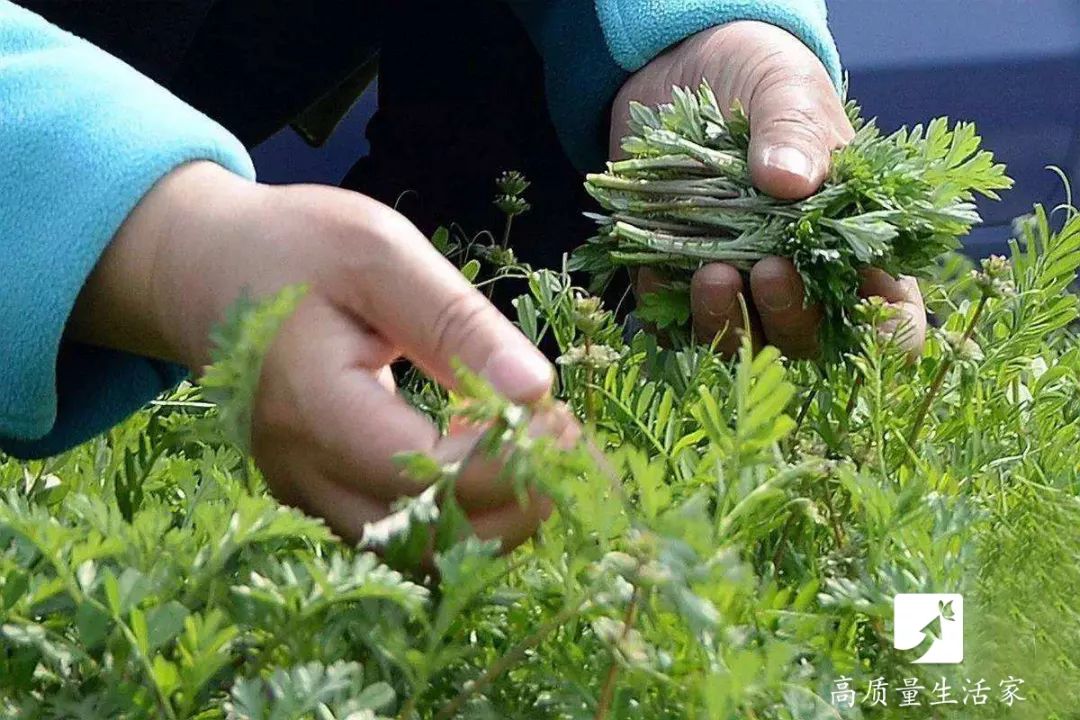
83	137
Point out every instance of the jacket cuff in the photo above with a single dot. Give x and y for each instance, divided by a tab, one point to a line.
580	75
590	48
639	30
86	138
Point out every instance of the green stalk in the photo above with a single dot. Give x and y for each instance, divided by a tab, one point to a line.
590	398
662	225
713	249
803	412
939	377
681	163
607	693
739	204
707	187
510	659
778	482
506	230
668	141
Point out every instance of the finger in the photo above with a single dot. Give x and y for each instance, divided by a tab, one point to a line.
421	303
647	280
319	398
779	297
358	426
483	483
796	117
345	509
347	512
459	425
512	524
485	493
714	302
908	328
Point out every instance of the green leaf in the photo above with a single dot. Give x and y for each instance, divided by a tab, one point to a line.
240	343
665	308
163	623
441	239
471	269
139	631
93	625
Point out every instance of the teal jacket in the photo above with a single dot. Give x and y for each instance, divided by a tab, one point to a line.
83	137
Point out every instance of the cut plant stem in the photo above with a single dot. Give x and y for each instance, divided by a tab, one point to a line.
662	162
943	370
738	204
662	225
705	187
714	249
670	142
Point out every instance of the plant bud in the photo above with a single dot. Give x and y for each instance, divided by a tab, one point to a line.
595	357
512	183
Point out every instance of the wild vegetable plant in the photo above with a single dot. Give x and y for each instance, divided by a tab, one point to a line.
731	551
684	197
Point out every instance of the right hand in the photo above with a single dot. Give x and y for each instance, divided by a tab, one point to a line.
796	121
327	421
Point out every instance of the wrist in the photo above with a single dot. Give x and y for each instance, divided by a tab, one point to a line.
153	290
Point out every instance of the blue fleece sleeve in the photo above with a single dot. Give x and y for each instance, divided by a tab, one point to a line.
639	30
590	47
82	138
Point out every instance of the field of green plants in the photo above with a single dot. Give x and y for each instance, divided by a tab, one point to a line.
726	545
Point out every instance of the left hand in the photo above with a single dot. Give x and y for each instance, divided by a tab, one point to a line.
796	121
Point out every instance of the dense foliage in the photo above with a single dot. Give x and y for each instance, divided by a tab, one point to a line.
731	551
684	197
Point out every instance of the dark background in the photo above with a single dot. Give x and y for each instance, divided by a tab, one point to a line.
1012	66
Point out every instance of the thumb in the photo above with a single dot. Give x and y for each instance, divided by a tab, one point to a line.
796	119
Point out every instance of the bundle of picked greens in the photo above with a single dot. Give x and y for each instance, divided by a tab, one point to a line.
684	198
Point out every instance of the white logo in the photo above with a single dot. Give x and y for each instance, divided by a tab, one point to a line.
931	624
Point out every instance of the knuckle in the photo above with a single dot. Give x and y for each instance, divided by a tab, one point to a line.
795	100
784	68
776	74
375	244
805	125
459	322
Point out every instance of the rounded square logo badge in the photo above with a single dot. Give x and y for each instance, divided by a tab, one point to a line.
931	625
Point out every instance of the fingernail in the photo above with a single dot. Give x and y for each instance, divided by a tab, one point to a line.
523	375
728	305
791	160
783	296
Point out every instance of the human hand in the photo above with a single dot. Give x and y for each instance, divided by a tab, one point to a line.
796	121
327	422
